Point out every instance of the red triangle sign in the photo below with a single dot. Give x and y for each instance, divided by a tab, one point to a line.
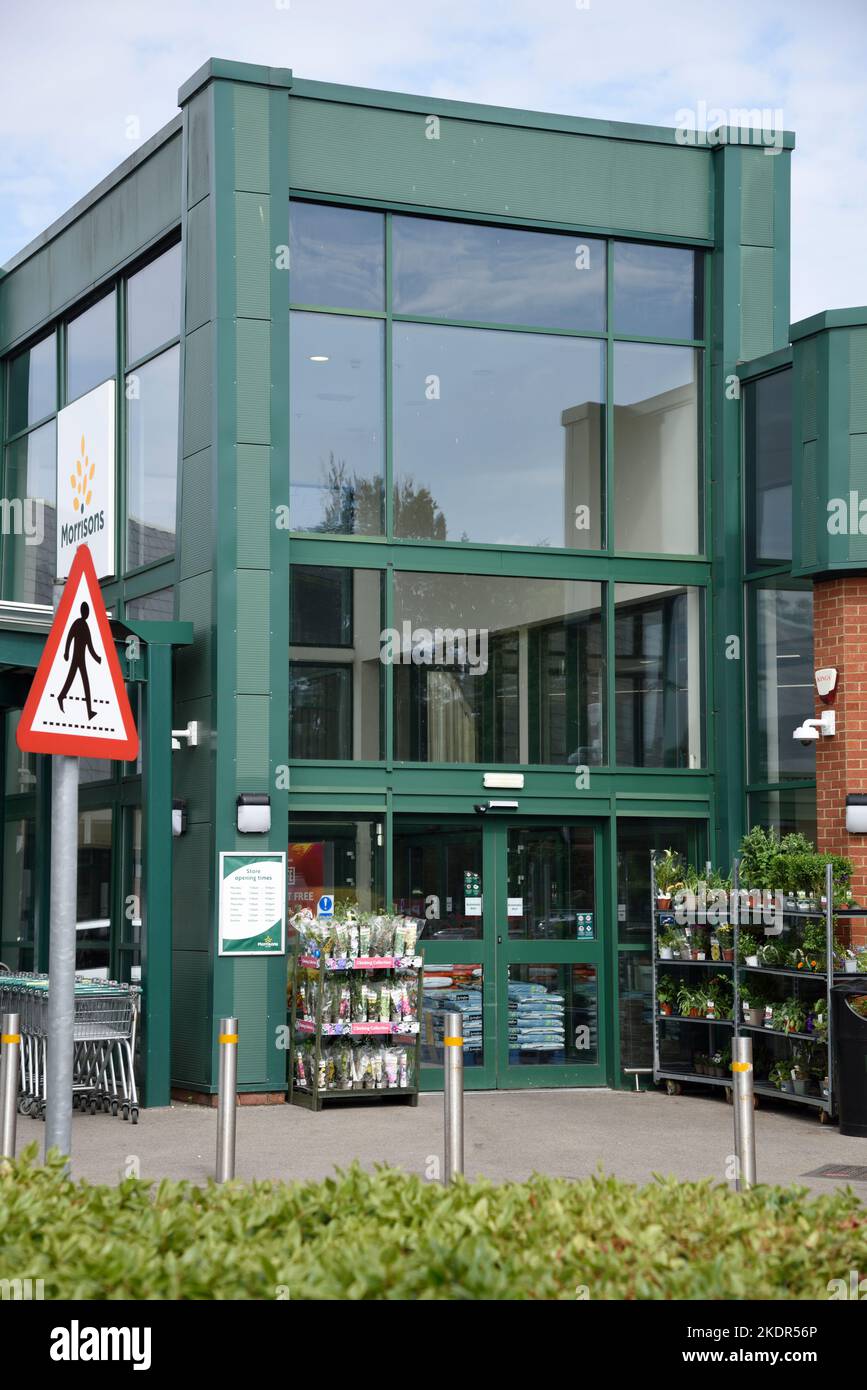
78	702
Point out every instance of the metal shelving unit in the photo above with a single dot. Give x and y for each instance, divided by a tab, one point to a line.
673	1076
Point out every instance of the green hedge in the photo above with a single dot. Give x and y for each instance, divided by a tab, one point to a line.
391	1235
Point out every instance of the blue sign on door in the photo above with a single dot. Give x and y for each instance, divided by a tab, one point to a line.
325	906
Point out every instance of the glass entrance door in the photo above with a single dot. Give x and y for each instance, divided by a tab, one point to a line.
512	938
549	955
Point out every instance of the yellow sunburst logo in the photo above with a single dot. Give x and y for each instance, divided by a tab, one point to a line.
81	480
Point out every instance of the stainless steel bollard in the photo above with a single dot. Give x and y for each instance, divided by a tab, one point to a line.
228	1099
745	1120
453	1048
9	1067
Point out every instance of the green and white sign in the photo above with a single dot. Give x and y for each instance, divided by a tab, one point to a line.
252	903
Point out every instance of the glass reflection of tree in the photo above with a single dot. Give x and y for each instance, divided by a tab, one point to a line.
354	506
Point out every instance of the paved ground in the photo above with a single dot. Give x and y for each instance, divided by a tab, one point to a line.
509	1134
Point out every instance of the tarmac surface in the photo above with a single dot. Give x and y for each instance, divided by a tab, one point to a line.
508	1135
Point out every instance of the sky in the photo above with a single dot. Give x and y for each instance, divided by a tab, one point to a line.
85	81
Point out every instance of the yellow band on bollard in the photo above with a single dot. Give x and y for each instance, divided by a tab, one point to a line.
10	1037
228	1038
453	1042
742	1066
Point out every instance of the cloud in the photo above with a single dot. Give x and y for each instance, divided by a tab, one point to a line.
75	73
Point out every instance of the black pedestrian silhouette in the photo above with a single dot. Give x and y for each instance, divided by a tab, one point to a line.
78	638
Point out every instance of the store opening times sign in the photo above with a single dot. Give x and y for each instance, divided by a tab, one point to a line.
252	913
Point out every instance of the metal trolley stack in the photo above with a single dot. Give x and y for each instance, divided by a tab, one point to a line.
106	1020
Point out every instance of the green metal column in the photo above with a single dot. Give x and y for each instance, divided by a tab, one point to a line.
156	937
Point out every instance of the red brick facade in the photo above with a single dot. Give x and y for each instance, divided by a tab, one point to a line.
840	639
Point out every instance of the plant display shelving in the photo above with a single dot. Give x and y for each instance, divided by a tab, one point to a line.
735	979
354	1019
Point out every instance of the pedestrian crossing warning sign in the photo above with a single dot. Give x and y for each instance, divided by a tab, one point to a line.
78	702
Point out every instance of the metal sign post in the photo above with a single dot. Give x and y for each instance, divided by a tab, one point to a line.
61	983
453	1061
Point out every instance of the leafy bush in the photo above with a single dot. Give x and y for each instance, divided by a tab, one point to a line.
392	1235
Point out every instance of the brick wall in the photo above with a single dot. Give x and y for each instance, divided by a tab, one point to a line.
840	639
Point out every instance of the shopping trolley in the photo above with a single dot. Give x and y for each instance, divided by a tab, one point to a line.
104	1037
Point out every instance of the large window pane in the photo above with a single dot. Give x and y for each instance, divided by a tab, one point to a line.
343	856
466	271
152	459
438	878
783	663
635	1009
29	550
786	810
337	440
551	894
20	766
19	893
448	988
636	838
553	1015
498	437
656	456
335	686
91	348
32	377
657	291
768	473
153	305
93	915
336	256
658	640
473	679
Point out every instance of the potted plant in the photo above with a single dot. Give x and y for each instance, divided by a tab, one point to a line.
726	938
719	997
721	1061
666	994
699	1063
780	1076
668	873
790	1016
772	955
755	999
800	1078
817	1023
669	941
689	1001
699	943
749	947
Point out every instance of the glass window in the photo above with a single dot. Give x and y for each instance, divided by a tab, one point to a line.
784	694
337	437
130	958
336	688
464	648
787	810
321	606
93	916
636	838
553	1015
656	469
658	642
551	875
91	348
448	988
153	305
498	437
636	1009
152	459
768	470
343	856
467	271
19	893
29	548
336	256
20	766
657	291
158	607
438	878
32	377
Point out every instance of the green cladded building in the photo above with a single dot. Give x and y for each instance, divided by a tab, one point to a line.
454	450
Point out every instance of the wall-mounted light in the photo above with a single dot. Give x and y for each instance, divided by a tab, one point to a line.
254	813
856	814
483	807
179	817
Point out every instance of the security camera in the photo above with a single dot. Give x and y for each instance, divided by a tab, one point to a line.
481	808
813	729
